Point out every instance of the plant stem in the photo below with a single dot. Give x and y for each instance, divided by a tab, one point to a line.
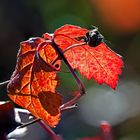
80	84
38	119
4	83
73	46
50	132
68	107
68	48
29	123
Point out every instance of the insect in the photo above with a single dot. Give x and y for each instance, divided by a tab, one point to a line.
93	38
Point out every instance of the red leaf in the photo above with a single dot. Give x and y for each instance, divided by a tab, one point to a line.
71	31
34	81
100	62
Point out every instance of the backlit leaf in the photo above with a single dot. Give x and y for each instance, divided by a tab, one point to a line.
34	81
100	62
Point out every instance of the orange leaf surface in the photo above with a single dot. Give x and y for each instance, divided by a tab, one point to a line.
100	62
34	81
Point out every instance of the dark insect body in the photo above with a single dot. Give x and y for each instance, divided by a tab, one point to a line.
93	38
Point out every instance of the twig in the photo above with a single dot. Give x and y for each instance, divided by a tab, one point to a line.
29	123
68	107
4	83
50	132
38	119
73	46
80	84
78	81
68	48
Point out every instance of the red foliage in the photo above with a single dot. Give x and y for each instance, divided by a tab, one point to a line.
33	82
100	62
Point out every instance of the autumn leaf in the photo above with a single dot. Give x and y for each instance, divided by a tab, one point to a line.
34	81
71	31
100	62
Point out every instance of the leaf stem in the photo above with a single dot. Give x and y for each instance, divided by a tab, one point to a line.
38	119
73	46
50	132
80	84
29	123
68	48
68	107
4	83
71	102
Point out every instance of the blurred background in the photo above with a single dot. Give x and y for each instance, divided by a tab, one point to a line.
119	22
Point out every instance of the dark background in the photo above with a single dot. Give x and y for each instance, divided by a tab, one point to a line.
119	22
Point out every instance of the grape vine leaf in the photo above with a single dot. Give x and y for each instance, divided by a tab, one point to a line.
100	63
34	81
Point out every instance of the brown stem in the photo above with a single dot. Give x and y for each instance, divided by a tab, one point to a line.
80	84
73	46
68	48
38	119
4	83
71	102
29	123
65	107
50	132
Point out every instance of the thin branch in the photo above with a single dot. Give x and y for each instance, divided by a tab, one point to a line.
68	48
50	132
68	107
71	102
80	84
38	119
4	83
78	81
29	123
73	46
